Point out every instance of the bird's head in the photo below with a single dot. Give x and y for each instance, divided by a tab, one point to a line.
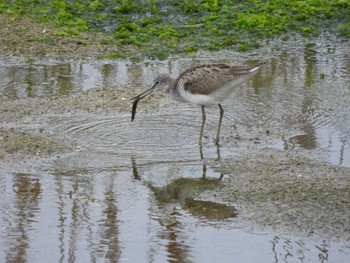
162	83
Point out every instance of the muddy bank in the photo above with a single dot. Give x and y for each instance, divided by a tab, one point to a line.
23	37
288	192
14	142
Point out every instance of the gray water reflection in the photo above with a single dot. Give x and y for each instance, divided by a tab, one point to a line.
130	193
27	194
89	216
54	78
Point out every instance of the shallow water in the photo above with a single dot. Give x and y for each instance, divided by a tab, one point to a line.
129	193
106	216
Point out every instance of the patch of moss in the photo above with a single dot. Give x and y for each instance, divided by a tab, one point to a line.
211	24
345	30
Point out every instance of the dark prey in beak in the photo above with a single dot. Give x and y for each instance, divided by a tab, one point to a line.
136	99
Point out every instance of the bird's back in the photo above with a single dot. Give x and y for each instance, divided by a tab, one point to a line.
215	81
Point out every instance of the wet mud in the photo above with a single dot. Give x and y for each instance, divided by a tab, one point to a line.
285	191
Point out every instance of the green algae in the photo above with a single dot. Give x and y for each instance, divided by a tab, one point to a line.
158	28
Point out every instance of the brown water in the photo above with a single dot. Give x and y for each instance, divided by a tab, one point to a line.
129	194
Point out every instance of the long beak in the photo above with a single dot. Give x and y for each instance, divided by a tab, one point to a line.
143	94
136	99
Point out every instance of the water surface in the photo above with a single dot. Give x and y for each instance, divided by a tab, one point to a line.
129	194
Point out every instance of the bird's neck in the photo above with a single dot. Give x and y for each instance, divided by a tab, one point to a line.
173	90
172	83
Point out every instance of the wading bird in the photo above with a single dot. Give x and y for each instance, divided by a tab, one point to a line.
203	85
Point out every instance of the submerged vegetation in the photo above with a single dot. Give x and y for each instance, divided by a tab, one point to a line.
158	28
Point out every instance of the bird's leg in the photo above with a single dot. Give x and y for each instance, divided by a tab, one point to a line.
220	119
218	151
201	152
203	122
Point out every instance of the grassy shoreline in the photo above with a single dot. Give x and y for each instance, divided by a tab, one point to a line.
156	29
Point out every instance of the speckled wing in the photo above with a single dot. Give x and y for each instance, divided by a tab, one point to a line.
206	79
